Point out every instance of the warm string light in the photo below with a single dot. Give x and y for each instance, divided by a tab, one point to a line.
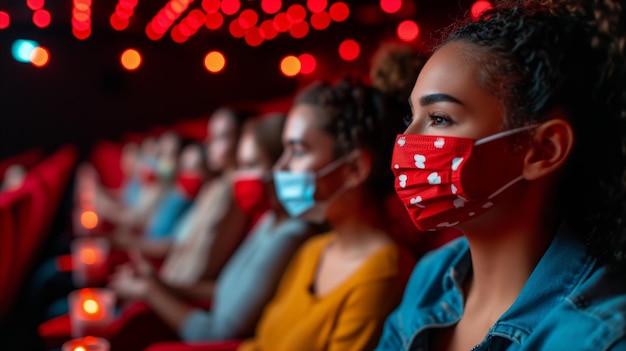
124	10
81	19
248	24
166	17
244	23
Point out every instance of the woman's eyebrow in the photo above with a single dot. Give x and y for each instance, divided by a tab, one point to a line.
439	97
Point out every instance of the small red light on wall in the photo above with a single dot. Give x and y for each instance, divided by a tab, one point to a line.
214	20
41	18
316	6
299	30
479	7
349	50
254	37
281	22
230	7
267	30
271	6
390	6
339	11
308	63
320	20
248	18
408	30
35	4
5	20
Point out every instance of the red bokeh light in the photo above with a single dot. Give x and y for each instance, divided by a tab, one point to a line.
308	63
271	6
390	6
34	4
211	6
118	23
267	30
81	26
214	20
235	29
81	34
248	18
408	30
177	35
320	20
299	30
281	22
339	11
479	7
316	6
151	33
195	19
41	18
5	20
296	13
349	50
254	37
230	7
185	29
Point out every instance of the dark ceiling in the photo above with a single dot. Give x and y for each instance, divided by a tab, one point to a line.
83	94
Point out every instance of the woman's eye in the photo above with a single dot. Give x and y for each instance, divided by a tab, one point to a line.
439	121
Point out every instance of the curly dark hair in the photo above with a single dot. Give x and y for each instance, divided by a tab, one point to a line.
359	116
536	57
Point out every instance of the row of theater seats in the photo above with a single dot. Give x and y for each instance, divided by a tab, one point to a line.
27	213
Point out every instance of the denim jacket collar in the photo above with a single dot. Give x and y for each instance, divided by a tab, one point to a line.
559	273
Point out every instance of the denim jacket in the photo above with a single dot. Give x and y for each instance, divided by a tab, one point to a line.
568	303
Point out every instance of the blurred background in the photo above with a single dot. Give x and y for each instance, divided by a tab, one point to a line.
76	71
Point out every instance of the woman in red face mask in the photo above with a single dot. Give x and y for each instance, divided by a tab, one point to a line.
517	139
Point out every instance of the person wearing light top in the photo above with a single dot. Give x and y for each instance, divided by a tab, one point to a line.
249	278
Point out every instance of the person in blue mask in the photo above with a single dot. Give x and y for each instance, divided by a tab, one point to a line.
339	288
516	138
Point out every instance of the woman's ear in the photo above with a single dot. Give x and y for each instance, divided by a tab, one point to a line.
358	168
551	146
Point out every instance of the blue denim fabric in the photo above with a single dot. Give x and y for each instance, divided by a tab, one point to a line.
170	208
568	303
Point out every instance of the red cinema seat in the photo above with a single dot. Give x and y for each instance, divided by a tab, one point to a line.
105	157
26	209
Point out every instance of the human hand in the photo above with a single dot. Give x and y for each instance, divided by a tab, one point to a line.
127	285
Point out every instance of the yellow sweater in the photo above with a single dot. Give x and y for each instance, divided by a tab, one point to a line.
350	317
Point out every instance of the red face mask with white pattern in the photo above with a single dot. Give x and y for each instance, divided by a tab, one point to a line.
443	181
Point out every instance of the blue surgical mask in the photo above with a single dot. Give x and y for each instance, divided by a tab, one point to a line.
296	192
